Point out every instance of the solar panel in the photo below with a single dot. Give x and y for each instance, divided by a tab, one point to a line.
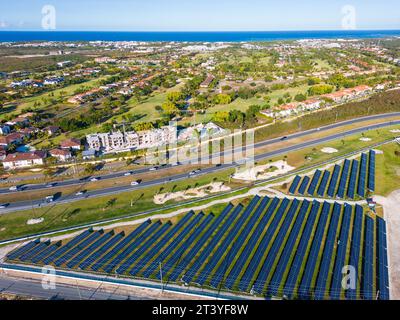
205	254
159	244
340	261
353	180
295	185
62	250
343	179
368	263
97	254
89	250
273	253
303	186
128	250
176	257
187	259
223	247
328	253
273	286
371	171
34	251
260	252
382	276
311	264
99	264
295	267
334	180
324	182
156	233
78	248
314	182
255	236
355	249
172	246
48	251
20	251
362	176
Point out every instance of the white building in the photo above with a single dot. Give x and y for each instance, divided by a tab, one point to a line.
24	160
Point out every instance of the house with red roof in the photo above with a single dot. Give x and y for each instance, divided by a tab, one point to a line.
23	160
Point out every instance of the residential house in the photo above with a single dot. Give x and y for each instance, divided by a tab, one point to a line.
14	138
71	144
24	160
61	154
52	130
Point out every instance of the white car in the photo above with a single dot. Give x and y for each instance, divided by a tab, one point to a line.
3	206
50	199
80	193
135	183
13	188
94	179
127	174
153	169
192	173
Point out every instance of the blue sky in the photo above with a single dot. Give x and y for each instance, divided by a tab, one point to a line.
199	15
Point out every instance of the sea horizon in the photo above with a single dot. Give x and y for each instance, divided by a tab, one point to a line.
191	36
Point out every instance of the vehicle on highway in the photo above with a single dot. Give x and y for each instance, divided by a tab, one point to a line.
135	183
94	179
192	173
4	205
153	169
284	138
49	199
127	174
80	193
14	188
50	185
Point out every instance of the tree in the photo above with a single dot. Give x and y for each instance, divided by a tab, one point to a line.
320	89
300	97
174	96
222	99
169	108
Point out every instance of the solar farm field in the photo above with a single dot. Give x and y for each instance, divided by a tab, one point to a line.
269	248
353	179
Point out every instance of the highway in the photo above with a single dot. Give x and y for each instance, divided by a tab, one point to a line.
31	288
80	182
25	205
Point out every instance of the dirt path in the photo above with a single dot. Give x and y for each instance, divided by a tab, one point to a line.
391	206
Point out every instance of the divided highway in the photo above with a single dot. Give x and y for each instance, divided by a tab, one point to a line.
25	205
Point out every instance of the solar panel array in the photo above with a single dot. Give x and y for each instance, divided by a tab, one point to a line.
349	180
268	247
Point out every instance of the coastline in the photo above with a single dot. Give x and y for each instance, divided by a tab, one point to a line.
193	36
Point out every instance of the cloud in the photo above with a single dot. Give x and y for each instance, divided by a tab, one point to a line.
3	24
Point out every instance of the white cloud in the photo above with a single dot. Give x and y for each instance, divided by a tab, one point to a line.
3	24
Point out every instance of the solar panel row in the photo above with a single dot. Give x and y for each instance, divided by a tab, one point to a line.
246	253
355	249
324	182
173	245
233	252
261	249
382	278
294	270
187	259
314	182
205	254
341	250
350	183
100	263
295	185
273	286
368	263
262	276
260	252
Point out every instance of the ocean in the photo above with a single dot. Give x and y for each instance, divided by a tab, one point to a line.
245	36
